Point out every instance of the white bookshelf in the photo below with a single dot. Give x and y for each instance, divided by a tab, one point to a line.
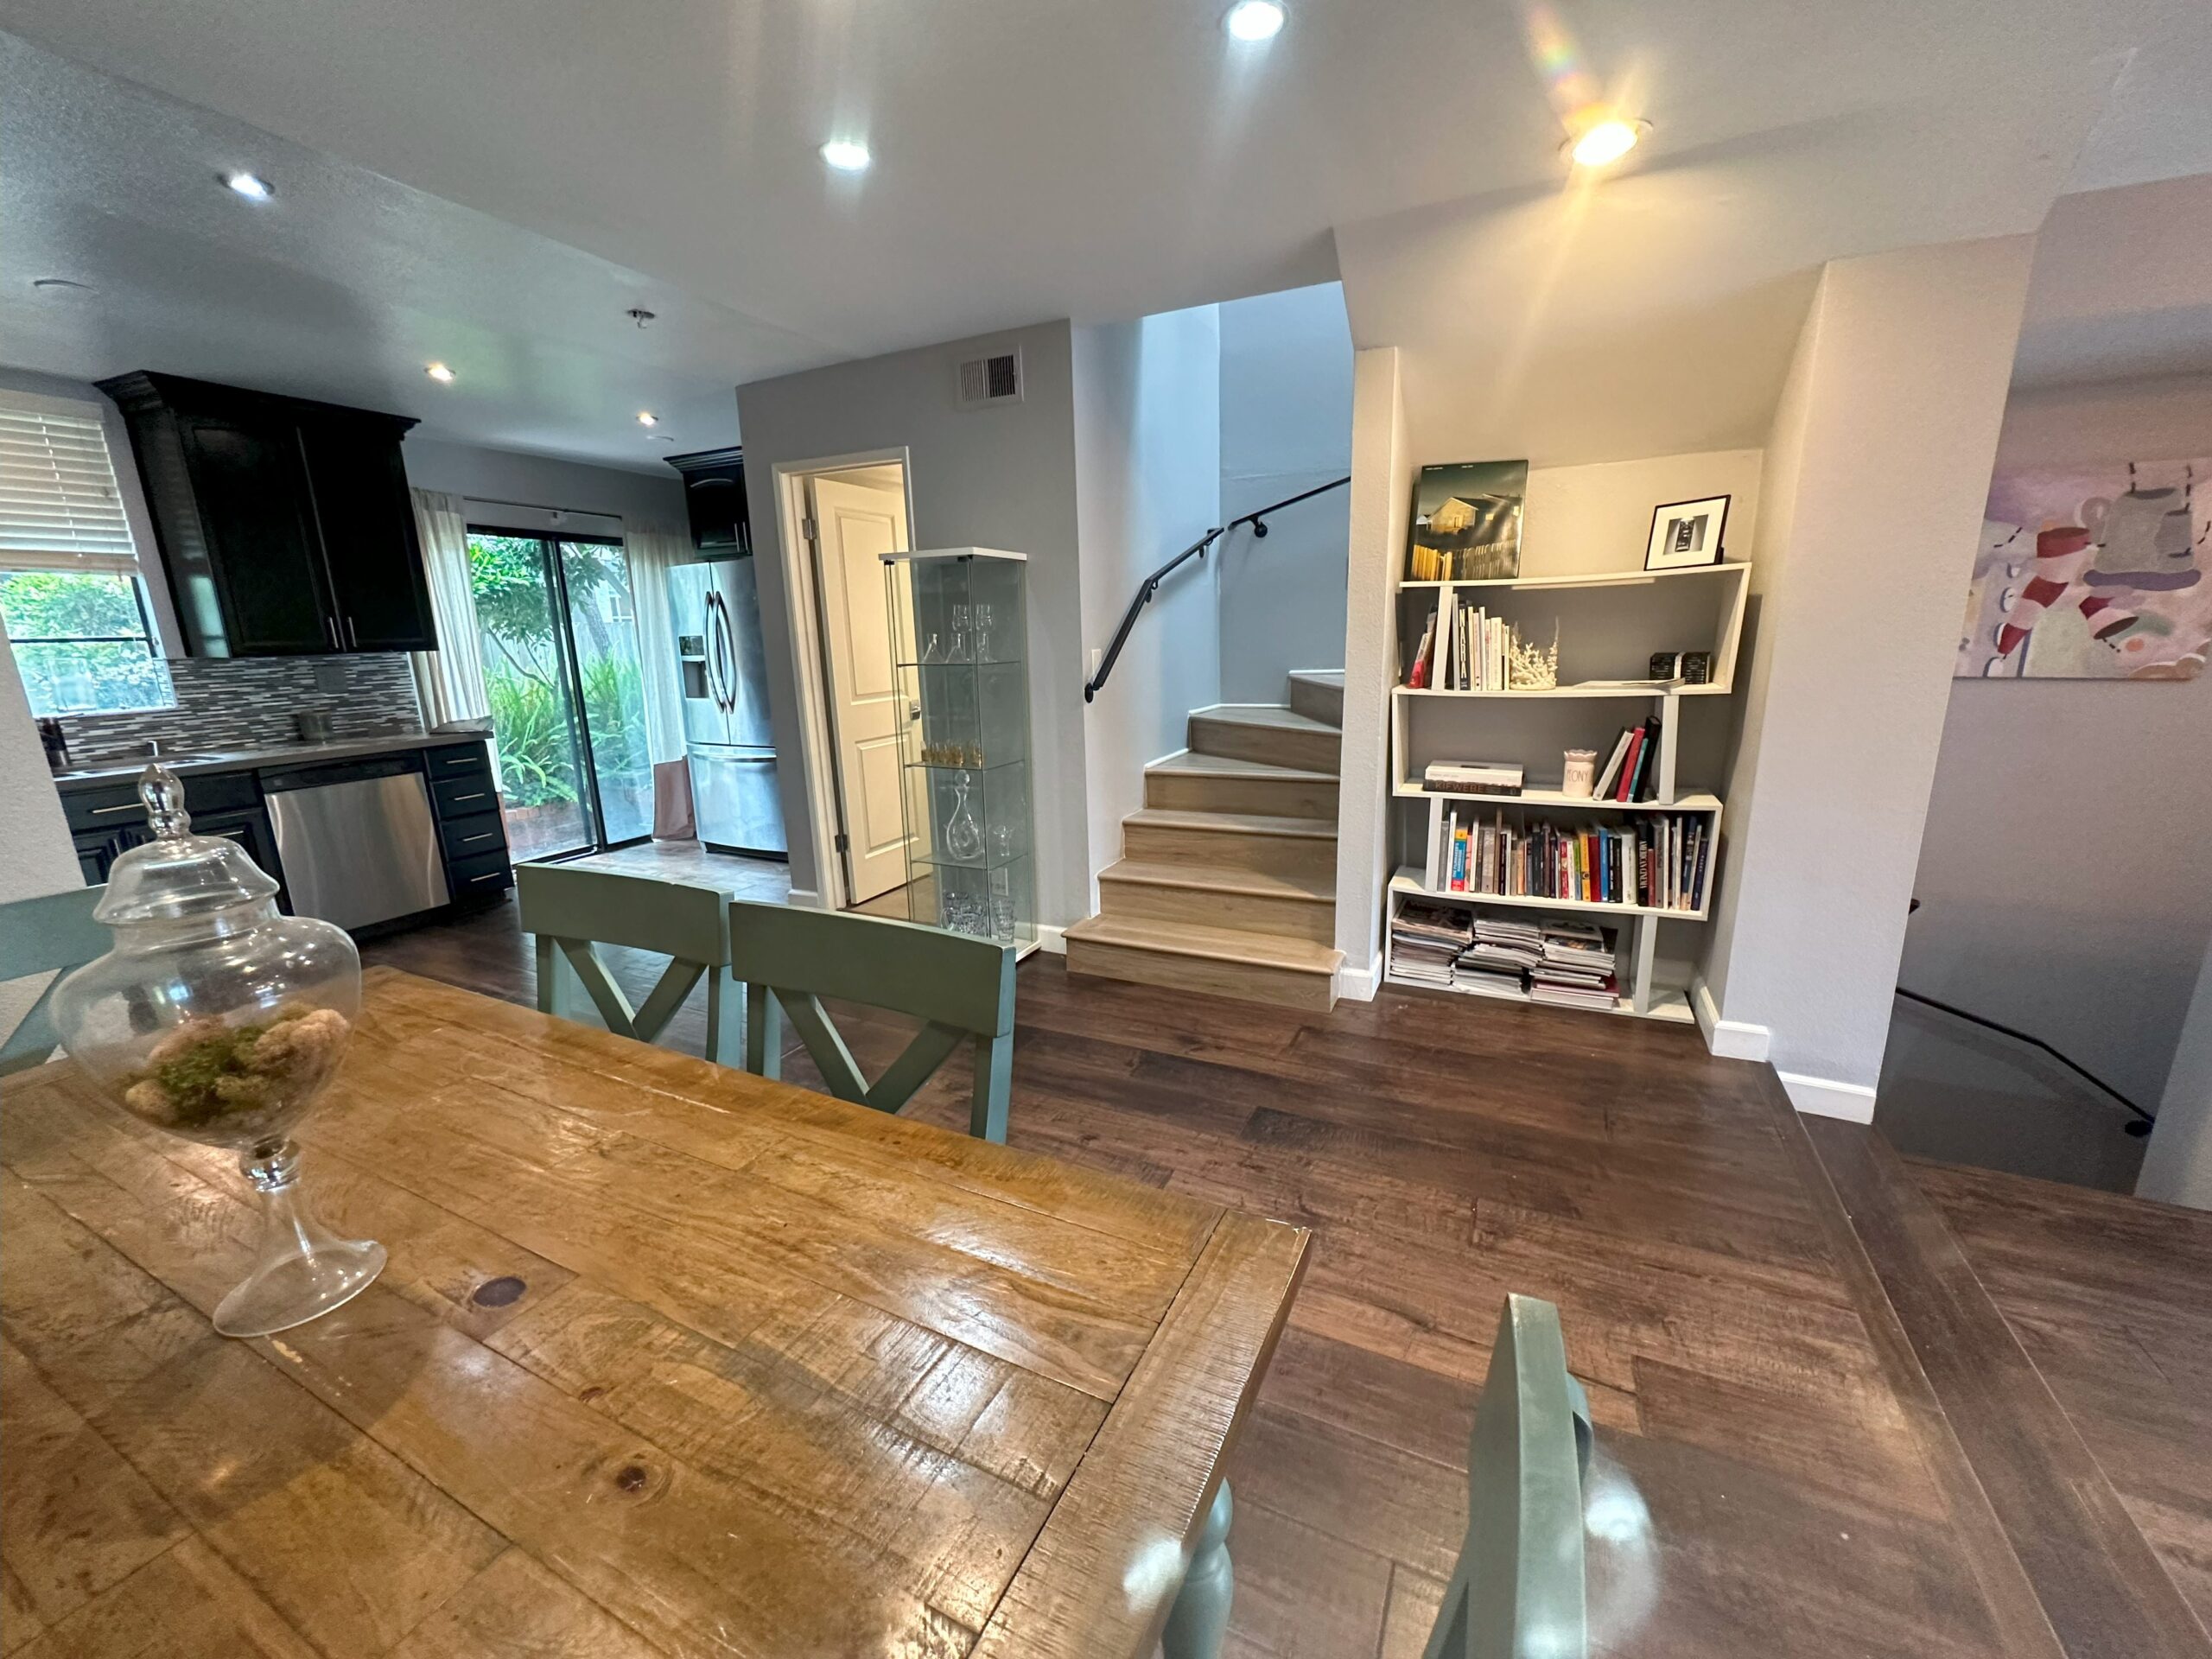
1609	626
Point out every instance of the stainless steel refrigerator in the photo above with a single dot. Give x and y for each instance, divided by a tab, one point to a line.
716	607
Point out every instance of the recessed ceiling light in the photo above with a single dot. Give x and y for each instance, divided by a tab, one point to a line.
647	417
252	186
1607	141
846	155
1255	20
439	373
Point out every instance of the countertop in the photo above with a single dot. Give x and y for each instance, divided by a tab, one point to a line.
187	763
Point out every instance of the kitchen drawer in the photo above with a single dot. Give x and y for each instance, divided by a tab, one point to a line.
472	837
464	798
116	804
459	760
486	873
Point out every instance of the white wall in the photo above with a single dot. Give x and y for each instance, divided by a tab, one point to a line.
1148	430
1285	427
39	859
2066	871
1876	470
1381	504
541	481
2178	1166
1003	478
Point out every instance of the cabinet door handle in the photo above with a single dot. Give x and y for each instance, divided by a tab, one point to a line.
129	806
330	633
469	840
352	640
488	875
477	796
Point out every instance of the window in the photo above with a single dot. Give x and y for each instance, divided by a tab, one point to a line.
70	587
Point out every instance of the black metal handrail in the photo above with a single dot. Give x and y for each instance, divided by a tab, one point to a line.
2143	1120
1150	585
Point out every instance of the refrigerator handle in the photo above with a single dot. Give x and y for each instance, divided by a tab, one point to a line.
718	651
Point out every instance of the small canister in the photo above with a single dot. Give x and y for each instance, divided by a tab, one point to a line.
1582	777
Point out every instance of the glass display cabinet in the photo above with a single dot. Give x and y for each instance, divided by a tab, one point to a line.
959	639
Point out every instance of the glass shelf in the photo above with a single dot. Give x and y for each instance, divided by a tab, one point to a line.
969	843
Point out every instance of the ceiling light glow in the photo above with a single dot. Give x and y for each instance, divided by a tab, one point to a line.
252	186
1606	141
1255	20
439	373
647	417
846	155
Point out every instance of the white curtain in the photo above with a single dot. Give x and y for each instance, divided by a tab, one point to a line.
649	549
450	681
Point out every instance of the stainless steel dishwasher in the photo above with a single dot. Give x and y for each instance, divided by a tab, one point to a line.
357	840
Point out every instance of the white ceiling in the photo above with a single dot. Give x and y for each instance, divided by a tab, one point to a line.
491	182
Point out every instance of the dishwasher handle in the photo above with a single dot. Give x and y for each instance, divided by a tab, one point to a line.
340	771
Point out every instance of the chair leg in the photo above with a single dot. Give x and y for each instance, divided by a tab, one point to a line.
993	1087
764	1033
1200	1619
725	1015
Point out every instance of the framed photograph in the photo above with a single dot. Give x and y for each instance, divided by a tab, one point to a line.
1686	533
1467	522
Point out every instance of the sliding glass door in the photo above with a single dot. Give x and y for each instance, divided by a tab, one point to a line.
562	668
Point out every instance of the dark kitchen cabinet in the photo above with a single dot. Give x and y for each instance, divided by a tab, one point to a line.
284	524
713	496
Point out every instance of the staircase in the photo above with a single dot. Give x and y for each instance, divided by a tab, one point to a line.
1227	883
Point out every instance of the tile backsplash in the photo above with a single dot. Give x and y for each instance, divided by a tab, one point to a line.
247	703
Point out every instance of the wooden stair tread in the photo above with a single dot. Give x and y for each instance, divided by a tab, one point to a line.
1275	716
1239	823
1333	677
1193	762
1320	889
1217	943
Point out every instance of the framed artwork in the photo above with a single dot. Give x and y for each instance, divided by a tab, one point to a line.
1686	533
1467	522
2091	573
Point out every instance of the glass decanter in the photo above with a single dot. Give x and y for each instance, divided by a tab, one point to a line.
963	837
219	1021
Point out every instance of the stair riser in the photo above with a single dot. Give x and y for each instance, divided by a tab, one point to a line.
1229	850
1250	912
1318	702
1274	798
1283	986
1275	746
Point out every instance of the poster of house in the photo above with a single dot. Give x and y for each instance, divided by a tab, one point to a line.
2092	572
1466	521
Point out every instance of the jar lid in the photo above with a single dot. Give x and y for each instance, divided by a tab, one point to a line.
177	875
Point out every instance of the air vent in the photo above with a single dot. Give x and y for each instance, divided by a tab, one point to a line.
992	379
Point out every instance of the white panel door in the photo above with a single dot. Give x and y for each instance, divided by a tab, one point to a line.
854	526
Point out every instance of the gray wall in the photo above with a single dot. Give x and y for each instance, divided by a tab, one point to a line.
2177	1167
1285	426
1147	436
2066	871
538	481
1002	477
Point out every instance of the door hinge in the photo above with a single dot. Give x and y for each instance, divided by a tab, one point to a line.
806	528
844	841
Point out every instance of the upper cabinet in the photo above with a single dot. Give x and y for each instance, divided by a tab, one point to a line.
714	494
285	524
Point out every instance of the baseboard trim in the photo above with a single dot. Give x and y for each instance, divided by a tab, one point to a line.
1359	984
806	898
1729	1039
1824	1097
1053	941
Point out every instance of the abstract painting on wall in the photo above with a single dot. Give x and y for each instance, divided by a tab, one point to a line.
2093	572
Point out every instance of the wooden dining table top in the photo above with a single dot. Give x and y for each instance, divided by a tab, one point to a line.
667	1358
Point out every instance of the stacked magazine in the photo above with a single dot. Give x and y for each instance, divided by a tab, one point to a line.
1498	961
1427	939
1575	969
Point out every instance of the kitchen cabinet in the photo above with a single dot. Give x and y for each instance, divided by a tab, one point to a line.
284	524
714	498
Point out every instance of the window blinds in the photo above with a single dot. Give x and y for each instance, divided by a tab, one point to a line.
60	508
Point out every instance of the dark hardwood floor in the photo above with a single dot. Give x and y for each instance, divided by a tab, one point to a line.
1770	1481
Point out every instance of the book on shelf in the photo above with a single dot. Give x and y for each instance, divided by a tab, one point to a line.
1472	777
1656	861
1630	774
1462	648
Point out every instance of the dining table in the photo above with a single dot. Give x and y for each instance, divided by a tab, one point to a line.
666	1358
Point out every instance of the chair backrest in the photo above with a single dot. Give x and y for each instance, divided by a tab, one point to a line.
1518	1590
38	936
961	987
573	911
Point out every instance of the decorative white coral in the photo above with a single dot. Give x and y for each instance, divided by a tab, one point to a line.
1532	667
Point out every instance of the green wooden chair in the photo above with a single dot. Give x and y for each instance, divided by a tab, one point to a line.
38	936
1517	1591
961	988
573	912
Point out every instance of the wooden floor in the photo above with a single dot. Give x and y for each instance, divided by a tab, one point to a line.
1779	1473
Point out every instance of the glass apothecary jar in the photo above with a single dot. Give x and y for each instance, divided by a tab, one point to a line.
959	634
219	1021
